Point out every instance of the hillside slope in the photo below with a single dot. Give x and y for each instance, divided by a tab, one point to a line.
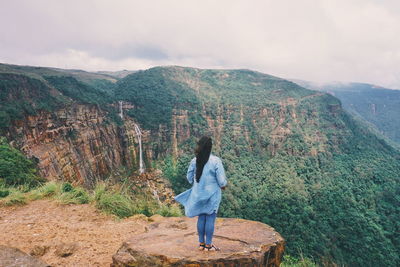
377	105
294	158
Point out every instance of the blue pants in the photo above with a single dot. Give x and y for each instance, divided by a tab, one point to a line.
205	226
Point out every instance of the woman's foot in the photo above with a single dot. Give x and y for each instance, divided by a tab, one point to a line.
202	246
211	248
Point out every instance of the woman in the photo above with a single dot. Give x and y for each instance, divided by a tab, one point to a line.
207	175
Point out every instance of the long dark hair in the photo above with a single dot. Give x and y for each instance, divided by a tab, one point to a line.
203	151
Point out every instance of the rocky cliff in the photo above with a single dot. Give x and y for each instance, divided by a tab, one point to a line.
77	143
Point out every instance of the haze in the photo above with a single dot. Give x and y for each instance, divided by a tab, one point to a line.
316	40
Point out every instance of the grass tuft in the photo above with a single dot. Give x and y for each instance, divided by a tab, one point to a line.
49	189
15	197
77	195
290	261
113	202
169	211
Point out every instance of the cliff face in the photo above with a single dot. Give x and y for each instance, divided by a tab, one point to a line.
377	105
77	143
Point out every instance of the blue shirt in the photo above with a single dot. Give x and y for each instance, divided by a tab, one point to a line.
205	196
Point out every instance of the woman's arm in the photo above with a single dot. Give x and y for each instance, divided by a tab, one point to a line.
191	171
220	172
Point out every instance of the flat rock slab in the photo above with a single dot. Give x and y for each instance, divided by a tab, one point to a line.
174	242
13	257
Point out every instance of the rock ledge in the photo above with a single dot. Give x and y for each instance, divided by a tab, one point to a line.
173	242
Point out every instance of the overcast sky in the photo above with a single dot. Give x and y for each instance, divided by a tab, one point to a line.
317	40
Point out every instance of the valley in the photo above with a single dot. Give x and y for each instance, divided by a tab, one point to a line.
295	159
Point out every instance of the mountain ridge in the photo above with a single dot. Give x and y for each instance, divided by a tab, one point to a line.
377	105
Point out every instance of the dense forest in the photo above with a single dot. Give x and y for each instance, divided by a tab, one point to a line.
377	105
294	158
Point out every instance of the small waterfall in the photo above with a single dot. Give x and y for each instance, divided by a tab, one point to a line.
139	137
121	113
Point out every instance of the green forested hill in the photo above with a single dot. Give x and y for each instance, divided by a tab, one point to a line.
377	105
26	90
294	158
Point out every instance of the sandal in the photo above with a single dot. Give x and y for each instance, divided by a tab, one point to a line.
202	246
212	248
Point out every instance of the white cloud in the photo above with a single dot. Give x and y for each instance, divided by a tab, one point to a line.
320	40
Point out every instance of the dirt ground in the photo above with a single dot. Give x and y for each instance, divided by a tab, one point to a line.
44	223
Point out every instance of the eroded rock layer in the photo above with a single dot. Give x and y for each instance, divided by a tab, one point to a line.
78	143
173	242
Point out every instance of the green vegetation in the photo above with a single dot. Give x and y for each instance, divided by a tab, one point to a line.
29	90
15	168
77	90
19	184
4	193
176	171
15	197
289	261
293	157
77	195
153	96
21	95
158	91
112	202
47	190
109	199
377	105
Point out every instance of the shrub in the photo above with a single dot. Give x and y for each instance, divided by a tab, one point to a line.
4	193
67	187
290	261
115	203
15	168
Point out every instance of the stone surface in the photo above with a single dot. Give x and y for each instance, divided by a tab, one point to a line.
13	257
173	242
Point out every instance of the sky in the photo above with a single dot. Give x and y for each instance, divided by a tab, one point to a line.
315	40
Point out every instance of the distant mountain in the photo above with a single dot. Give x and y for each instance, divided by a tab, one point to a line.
117	74
377	105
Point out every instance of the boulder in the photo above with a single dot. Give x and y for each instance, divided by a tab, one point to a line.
13	257
174	242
